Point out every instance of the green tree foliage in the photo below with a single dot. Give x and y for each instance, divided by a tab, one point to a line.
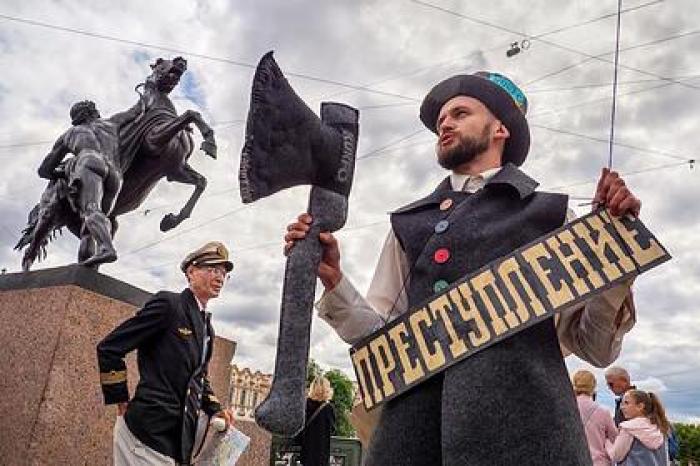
689	437
313	370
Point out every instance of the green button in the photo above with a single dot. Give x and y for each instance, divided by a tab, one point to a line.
440	285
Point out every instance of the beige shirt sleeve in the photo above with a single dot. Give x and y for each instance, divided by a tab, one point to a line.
353	316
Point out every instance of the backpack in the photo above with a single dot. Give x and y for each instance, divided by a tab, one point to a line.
674	446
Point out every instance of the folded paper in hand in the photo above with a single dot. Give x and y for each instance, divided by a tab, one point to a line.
224	449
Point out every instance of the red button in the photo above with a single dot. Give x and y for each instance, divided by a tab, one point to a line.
442	255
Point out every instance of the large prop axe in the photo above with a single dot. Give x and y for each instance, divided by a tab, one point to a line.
287	145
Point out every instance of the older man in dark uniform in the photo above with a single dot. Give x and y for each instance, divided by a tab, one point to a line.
511	403
174	339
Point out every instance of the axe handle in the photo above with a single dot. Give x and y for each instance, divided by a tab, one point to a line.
283	411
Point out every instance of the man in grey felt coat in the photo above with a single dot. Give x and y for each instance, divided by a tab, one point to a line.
511	403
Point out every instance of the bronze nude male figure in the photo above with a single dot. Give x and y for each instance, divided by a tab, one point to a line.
93	176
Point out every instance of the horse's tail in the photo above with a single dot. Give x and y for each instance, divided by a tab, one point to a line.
37	235
28	231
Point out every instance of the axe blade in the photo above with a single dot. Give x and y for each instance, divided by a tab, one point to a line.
287	144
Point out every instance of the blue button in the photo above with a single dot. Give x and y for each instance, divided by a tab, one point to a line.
440	285
442	226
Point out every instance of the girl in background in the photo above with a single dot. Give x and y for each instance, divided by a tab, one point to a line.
642	437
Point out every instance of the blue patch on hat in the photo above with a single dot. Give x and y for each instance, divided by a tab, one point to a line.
514	91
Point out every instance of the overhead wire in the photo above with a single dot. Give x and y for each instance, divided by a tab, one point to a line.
544	41
627	173
394	145
234	211
374	152
599	100
614	86
357	227
277	244
496	47
239	63
200	56
187	230
624	49
667	80
15	145
594	85
560	89
233	62
238	122
620	144
567	67
599	18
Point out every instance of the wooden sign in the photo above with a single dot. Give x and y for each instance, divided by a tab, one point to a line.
557	271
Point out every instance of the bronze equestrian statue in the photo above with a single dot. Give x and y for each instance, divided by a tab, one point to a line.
116	162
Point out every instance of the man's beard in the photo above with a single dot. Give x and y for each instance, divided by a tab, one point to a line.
466	150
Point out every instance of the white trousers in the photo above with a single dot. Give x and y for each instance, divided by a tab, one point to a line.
130	451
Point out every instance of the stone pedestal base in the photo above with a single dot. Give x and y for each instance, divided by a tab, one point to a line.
258	452
51	405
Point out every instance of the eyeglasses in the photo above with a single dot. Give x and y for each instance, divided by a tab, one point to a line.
215	270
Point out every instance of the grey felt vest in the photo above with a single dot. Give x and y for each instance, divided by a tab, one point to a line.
639	455
511	403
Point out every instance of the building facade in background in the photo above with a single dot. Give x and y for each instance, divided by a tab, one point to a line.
248	389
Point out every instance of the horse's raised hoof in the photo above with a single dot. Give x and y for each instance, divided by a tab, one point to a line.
209	147
169	222
100	258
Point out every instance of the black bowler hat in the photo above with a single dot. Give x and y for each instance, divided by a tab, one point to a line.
500	95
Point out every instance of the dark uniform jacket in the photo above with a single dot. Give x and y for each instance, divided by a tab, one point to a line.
173	388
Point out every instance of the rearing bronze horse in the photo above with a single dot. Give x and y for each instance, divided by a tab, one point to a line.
160	144
155	144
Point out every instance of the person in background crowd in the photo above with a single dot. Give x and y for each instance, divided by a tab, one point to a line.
642	437
597	421
618	380
315	439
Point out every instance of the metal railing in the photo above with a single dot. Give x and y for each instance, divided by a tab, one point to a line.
344	452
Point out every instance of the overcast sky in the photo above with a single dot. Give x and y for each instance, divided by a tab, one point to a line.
54	53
